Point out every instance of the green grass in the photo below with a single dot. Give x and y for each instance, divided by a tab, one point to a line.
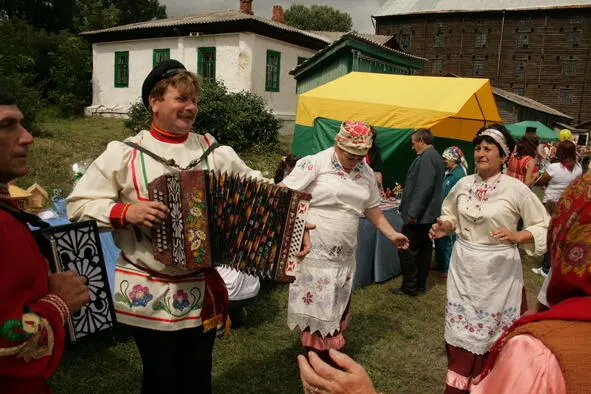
398	340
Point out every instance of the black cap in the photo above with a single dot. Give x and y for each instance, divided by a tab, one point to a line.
164	70
531	129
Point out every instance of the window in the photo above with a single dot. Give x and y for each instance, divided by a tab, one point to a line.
569	67
520	69
439	39
436	66
159	56
206	63
519	91
574	37
301	59
523	40
273	71
478	69
481	39
566	96
404	40
122	69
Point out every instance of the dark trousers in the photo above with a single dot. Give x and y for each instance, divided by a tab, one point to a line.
175	361
416	260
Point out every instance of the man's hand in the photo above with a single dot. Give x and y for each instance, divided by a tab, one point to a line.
400	240
146	213
306	242
319	377
70	287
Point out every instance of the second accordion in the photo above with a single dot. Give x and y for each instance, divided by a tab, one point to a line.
220	219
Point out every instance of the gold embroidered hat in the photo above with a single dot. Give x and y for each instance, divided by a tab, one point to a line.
354	137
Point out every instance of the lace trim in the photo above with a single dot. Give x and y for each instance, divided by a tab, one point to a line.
307	322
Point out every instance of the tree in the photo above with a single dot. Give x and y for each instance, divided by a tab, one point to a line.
318	17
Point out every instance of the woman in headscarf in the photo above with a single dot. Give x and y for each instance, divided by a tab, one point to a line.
548	352
485	282
343	187
456	168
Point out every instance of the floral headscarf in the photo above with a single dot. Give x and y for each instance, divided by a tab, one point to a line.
569	238
354	137
455	154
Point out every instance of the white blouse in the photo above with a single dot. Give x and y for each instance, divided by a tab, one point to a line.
509	201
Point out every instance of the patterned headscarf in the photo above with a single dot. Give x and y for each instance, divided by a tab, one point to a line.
455	154
354	137
569	238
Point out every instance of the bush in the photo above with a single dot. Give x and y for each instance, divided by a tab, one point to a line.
236	119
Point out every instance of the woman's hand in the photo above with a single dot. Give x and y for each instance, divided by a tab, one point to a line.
306	241
440	229
400	240
320	378
146	213
504	235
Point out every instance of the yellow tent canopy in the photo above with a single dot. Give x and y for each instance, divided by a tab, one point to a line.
452	107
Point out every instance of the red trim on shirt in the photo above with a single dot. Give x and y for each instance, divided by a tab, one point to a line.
117	215
134	177
166	136
207	140
157	318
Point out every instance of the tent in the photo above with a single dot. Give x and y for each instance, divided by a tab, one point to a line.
396	105
545	133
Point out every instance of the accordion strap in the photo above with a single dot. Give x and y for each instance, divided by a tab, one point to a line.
171	162
24	217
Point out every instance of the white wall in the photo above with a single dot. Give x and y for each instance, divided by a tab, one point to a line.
284	102
240	64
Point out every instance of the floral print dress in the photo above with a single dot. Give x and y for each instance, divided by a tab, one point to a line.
322	288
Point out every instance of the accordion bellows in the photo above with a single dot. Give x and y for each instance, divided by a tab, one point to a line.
221	219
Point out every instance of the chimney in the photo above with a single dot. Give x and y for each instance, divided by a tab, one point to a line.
246	7
278	14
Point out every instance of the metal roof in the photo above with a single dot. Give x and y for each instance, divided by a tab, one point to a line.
210	17
528	102
406	7
335	35
359	37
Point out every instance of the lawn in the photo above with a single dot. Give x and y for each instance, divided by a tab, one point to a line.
398	340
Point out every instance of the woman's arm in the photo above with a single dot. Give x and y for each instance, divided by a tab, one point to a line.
377	218
529	173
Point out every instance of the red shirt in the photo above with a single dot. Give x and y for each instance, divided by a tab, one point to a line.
23	284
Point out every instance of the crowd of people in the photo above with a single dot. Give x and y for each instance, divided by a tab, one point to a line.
476	222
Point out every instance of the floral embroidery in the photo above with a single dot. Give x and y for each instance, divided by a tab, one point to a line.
481	321
196	225
334	252
16	330
305	164
181	300
140	296
308	298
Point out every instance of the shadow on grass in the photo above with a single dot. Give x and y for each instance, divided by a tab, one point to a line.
106	363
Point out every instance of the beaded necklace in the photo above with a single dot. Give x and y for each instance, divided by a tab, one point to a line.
480	192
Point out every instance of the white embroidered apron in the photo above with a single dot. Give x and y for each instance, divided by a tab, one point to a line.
324	278
484	290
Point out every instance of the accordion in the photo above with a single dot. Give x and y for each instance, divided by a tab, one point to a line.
221	219
77	247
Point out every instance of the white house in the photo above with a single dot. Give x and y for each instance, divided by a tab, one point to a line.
244	51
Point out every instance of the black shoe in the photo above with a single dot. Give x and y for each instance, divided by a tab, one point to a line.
403	292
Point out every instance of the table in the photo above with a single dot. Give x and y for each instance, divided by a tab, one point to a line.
377	257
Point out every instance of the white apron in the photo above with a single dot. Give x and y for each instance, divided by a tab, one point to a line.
324	278
484	290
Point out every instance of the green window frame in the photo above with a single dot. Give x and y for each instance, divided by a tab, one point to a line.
121	69
301	59
206	58
160	55
273	74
